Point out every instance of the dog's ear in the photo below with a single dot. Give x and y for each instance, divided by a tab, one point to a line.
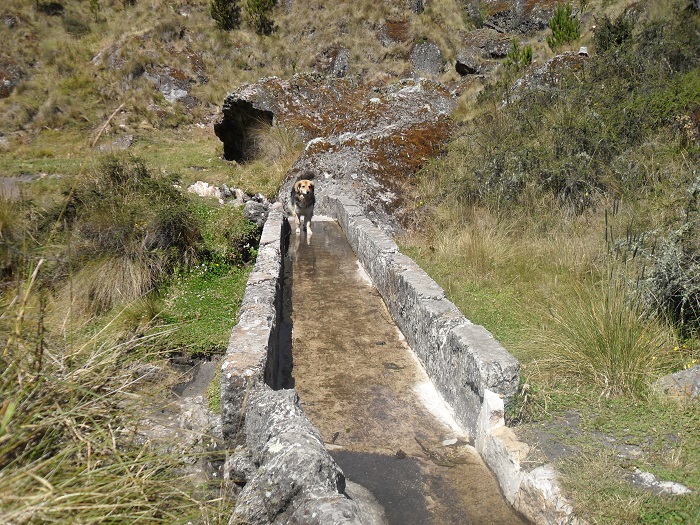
311	184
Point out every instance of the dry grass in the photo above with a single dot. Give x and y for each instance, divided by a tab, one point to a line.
604	336
68	451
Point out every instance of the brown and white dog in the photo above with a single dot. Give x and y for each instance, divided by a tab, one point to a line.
302	204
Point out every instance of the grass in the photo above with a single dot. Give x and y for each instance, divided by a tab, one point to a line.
548	234
604	336
663	430
202	305
532	204
68	448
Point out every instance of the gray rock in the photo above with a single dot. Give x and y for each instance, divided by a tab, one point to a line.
256	212
648	481
685	383
416	6
173	83
426	58
468	62
297	481
10	75
340	63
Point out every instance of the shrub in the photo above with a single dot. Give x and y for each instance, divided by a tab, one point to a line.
226	13
674	287
565	27
64	411
258	15
126	230
518	58
611	35
75	26
228	237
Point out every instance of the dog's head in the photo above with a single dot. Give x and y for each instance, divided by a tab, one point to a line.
304	187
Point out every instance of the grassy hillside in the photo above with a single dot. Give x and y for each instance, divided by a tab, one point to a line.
563	216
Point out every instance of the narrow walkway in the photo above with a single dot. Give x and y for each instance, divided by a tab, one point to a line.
361	386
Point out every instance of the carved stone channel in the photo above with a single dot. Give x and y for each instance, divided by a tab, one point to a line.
354	407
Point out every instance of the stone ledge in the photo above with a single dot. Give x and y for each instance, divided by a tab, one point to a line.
289	475
535	494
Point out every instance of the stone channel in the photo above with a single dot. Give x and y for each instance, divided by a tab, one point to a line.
388	409
375	407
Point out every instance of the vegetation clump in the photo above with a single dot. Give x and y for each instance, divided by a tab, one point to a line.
565	27
258	15
226	13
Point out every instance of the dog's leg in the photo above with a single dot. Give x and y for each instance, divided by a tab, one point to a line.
296	224
307	222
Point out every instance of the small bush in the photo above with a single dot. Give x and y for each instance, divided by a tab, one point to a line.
228	237
258	15
75	27
674	287
610	35
604	337
518	58
226	13
127	230
565	27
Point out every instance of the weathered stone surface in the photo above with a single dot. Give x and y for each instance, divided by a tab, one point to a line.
256	212
540	499
341	62
426	59
514	15
297	481
468	62
10	75
648	481
683	384
250	357
534	494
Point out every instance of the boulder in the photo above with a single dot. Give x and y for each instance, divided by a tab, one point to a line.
294	479
487	43
360	142
468	62
426	58
522	16
683	384
173	83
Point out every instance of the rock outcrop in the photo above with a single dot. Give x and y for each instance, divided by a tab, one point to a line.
523	16
10	75
361	142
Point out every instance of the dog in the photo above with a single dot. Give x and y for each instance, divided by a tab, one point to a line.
302	204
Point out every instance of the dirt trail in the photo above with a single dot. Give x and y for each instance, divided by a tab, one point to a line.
364	390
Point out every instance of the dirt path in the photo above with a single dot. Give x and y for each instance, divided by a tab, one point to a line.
364	390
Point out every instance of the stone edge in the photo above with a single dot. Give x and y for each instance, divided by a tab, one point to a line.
471	370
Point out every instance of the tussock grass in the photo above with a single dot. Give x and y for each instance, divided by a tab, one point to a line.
605	336
68	448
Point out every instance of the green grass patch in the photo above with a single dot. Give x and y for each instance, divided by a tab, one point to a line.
665	434
202	307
